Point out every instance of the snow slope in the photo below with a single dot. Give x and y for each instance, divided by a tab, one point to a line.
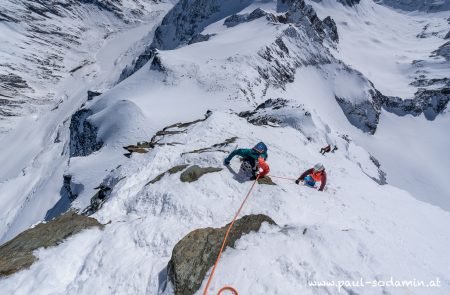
408	148
45	44
34	151
353	231
356	229
383	44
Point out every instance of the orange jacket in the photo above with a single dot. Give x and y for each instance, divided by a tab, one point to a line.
263	167
319	176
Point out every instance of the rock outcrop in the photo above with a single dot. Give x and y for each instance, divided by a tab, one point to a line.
182	25
429	102
237	19
17	254
195	254
83	135
421	5
171	171
193	173
444	51
349	2
266	180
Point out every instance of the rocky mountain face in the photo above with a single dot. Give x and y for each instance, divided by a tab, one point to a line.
161	195
83	135
305	42
421	5
43	43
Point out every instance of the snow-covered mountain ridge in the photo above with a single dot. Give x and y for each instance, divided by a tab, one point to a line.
44	43
294	74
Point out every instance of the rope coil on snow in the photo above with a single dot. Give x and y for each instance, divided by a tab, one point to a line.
228	288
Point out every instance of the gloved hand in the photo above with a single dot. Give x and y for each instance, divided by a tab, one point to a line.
297	181
226	162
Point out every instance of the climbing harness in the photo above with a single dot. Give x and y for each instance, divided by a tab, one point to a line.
228	288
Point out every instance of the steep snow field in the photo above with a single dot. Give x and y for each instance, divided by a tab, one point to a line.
43	44
358	229
382	44
31	151
346	237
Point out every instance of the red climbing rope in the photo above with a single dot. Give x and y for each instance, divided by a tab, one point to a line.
227	288
283	177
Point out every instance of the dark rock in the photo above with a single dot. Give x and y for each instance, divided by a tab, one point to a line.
382	180
258	118
103	193
177	169
429	102
237	19
68	192
143	147
156	64
11	96
193	173
72	189
92	94
200	38
422	82
147	55
7	18
172	170
17	254
266	180
421	5
280	113
195	254
364	115
185	20
83	135
188	18
330	29
349	2
444	51
139	150
447	36
214	148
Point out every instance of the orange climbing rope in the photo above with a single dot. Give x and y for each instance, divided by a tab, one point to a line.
227	288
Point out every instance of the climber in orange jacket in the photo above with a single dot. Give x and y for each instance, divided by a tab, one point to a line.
313	175
263	168
253	160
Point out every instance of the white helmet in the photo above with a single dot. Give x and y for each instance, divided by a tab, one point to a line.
318	167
